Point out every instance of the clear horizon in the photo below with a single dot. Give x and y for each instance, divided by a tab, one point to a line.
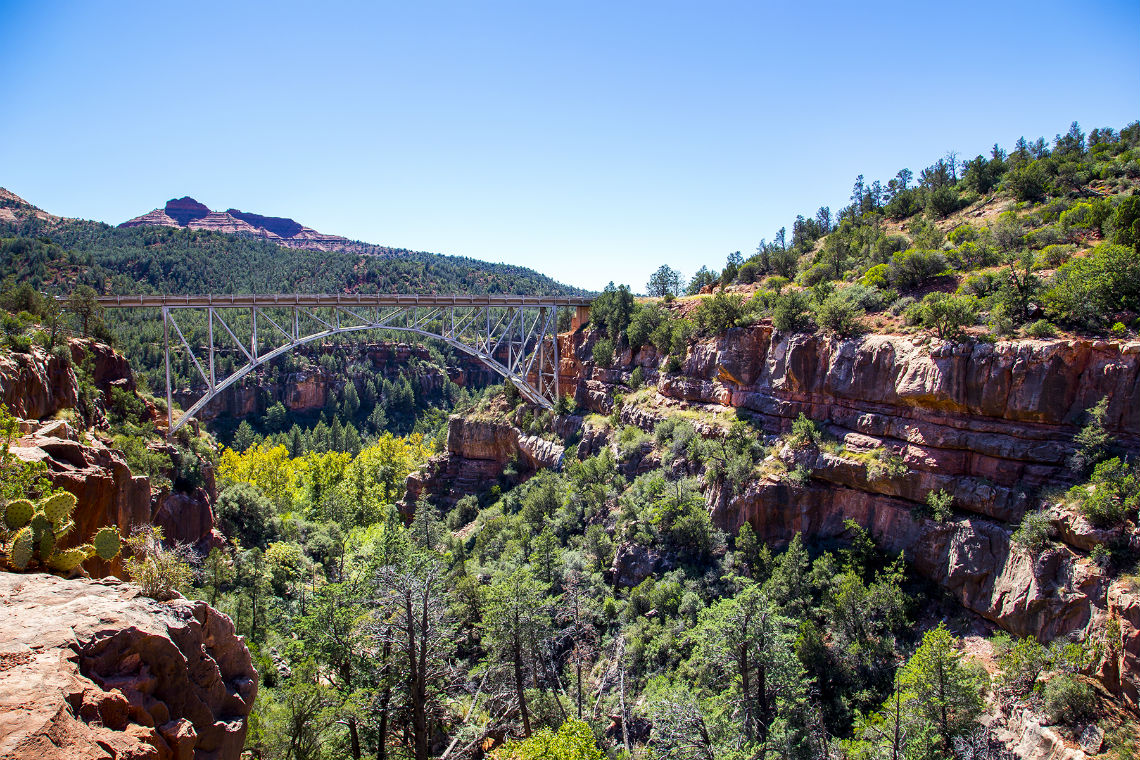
591	143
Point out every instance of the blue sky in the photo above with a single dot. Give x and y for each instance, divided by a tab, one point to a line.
591	141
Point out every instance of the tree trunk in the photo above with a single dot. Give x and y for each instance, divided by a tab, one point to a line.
520	688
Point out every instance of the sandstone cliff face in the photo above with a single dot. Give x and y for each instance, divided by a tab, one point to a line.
1002	413
38	385
90	669
477	453
991	424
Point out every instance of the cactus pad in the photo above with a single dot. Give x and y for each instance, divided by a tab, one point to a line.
40	524
20	552
18	514
107	543
68	559
46	546
58	508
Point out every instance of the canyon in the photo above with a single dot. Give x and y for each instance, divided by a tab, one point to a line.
992	424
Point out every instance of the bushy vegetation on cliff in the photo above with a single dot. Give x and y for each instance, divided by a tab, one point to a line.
1017	242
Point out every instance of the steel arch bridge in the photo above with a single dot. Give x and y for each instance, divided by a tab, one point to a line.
516	336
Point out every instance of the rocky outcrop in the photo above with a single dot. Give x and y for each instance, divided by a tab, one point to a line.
478	451
38	385
107	493
995	419
91	669
990	424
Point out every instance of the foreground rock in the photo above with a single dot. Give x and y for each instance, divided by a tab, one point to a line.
91	669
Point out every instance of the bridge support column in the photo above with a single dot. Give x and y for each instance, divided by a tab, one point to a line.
166	352
580	318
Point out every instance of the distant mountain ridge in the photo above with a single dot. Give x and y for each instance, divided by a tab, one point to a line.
188	213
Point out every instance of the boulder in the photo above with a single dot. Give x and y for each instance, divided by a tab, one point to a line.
91	669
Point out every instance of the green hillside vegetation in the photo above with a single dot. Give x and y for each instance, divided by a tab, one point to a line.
61	256
1034	241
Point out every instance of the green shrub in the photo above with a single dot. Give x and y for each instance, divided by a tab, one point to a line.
716	314
1042	328
838	315
603	353
1118	330
1088	290
900	305
800	476
982	285
1093	443
1111	496
945	314
637	378
791	312
142	460
939	506
1034	532
875	277
1021	662
885	463
915	267
631	439
805	432
244	513
1056	255
1068	699
465	510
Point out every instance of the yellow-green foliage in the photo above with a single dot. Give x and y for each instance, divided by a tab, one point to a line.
574	741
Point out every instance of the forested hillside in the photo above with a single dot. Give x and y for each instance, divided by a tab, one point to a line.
1033	241
55	255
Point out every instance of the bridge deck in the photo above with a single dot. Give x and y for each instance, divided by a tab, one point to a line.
334	299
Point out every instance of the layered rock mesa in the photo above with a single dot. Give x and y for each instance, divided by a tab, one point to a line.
991	424
37	386
188	213
91	669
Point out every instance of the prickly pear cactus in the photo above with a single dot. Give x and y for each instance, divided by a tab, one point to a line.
58	508
18	513
69	559
23	544
107	543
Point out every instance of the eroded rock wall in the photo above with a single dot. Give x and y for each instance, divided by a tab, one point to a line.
91	669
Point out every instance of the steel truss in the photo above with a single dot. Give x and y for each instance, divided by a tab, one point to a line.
516	336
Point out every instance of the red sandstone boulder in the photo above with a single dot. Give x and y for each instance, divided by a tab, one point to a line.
90	669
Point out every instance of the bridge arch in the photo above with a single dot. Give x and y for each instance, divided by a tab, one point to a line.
515	336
